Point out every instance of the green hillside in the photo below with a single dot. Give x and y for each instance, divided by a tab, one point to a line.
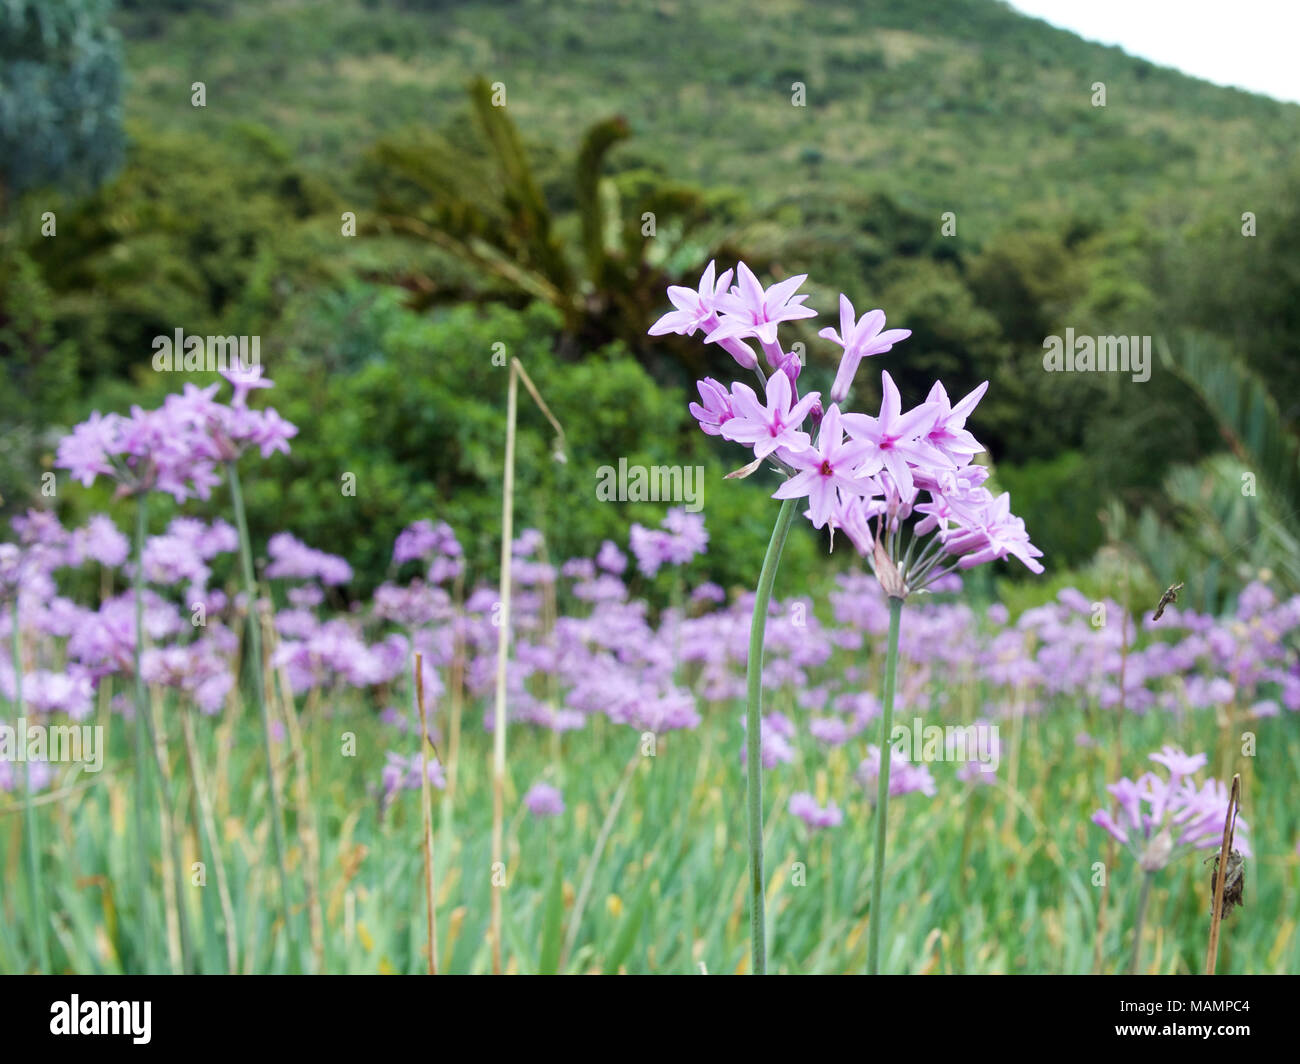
960	105
1123	219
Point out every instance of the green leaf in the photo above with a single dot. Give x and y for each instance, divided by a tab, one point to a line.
1247	415
591	207
627	934
552	923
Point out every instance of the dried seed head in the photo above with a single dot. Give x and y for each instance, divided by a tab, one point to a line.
891	580
1158	852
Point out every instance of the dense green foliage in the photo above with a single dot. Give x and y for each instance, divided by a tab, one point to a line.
229	219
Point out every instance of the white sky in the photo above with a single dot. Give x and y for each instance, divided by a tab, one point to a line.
1251	44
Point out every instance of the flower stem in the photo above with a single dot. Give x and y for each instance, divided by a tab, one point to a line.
426	806
882	790
255	665
1225	851
1143	897
208	822
503	661
30	826
753	734
930	555
142	738
148	745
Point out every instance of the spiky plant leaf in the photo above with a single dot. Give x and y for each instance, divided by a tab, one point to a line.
1247	415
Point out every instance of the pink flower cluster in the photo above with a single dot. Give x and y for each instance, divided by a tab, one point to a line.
679	539
71	648
433	544
861	473
1160	820
175	448
602	653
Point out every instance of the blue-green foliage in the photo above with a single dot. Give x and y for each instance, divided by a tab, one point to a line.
60	94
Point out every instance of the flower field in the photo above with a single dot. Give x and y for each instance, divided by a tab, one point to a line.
259	801
496	487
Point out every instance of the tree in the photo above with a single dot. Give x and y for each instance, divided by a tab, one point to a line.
475	192
60	95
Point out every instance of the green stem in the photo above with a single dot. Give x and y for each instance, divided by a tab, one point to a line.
968	831
208	823
259	688
882	790
1143	897
146	746
753	734
39	918
930	556
142	737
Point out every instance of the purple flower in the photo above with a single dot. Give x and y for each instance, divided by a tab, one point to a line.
861	339
829	730
765	428
85	451
949	434
774	748
402	772
610	558
904	777
1178	763
528	543
748	310
694	309
444	568
1160	820
1073	599
699	310
208	541
681	537
716	409
200	669
151	450
897	440
544	800
650	547
245	379
306	597
39	775
993	532
53	692
688	536
830	466
293	560
578	569
170	559
416	541
270	432
100	541
174	449
867	488
805	807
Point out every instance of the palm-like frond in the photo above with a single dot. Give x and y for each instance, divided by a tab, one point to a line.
474	193
1248	417
1216	541
592	201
